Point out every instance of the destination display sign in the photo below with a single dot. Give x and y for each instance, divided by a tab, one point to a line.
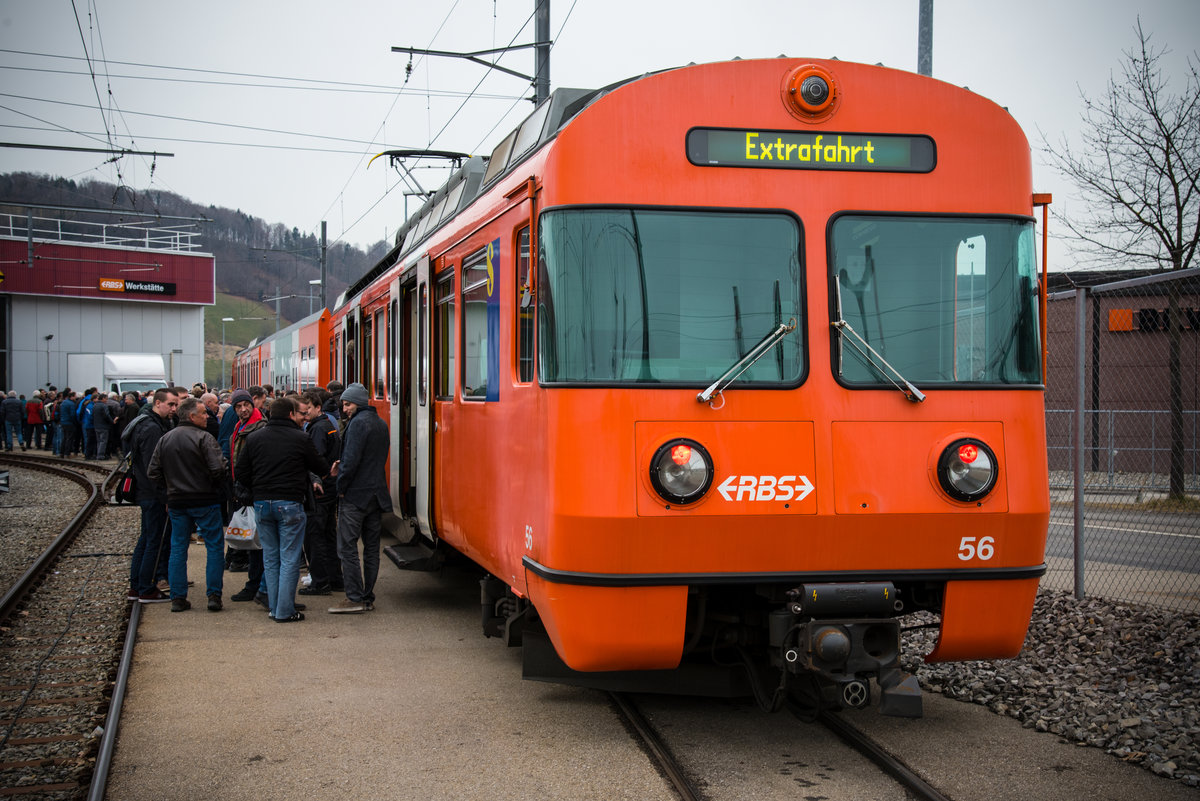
802	150
138	287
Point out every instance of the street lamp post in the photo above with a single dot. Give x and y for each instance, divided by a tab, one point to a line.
221	380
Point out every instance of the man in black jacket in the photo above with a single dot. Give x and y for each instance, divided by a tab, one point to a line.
320	534
274	465
142	436
187	461
363	495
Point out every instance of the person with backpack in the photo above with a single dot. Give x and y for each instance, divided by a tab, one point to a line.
320	534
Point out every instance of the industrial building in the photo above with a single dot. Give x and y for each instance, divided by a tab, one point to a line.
84	281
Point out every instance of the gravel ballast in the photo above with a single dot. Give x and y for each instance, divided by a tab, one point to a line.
1096	673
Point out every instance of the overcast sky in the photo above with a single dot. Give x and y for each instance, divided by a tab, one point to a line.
276	107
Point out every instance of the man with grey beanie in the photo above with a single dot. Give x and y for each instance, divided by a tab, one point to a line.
362	488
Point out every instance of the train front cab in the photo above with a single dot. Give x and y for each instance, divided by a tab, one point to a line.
795	514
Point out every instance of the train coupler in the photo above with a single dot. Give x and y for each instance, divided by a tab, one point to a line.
846	652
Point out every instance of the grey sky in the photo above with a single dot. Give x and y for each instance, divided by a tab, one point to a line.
1031	56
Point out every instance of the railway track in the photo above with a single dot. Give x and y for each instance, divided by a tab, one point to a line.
689	781
62	626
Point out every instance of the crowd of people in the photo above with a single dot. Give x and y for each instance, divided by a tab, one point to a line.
66	423
311	464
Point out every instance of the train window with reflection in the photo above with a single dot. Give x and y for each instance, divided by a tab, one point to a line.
645	296
380	355
443	338
476	283
524	308
941	300
366	359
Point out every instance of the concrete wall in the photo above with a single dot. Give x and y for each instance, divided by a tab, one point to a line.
92	326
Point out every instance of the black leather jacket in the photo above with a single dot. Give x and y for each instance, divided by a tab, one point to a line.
276	460
188	461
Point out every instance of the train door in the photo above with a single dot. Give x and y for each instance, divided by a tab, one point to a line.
399	409
422	401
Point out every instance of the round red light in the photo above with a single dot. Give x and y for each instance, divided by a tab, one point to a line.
681	454
968	453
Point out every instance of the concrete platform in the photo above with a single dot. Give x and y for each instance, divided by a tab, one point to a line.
408	701
412	702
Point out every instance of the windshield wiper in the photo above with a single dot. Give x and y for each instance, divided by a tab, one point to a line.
871	356
878	362
743	364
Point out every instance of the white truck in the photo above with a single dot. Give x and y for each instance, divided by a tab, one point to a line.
116	372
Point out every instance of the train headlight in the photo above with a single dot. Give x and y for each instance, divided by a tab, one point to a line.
967	469
681	471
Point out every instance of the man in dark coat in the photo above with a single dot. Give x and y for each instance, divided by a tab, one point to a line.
103	421
152	547
363	495
320	534
188	464
13	411
274	465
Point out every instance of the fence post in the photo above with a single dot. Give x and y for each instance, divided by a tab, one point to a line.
1080	375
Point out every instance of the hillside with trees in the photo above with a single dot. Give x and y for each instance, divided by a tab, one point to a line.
254	258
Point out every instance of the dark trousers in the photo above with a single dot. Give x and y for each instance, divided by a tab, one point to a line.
356	523
33	435
254	575
320	542
70	441
152	549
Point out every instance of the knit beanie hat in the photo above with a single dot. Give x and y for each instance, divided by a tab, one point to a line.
238	396
355	393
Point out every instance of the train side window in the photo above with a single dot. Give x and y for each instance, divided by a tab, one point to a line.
444	337
524	307
335	348
351	346
366	358
422	354
394	350
475	328
380	356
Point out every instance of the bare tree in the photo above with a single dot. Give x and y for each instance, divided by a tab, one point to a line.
1138	175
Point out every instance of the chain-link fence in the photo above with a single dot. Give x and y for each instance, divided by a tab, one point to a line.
1124	349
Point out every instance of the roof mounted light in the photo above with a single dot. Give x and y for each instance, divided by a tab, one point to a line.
810	93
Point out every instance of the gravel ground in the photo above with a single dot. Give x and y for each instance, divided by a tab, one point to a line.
32	514
58	653
1097	673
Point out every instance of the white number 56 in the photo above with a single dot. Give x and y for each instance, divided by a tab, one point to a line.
986	549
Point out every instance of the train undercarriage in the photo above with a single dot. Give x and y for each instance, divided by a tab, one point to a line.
806	647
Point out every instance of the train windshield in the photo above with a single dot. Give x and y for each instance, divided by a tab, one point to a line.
666	297
941	300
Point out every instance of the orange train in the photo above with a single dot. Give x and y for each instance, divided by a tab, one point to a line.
731	364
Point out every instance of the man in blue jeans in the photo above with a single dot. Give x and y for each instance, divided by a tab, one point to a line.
188	462
274	465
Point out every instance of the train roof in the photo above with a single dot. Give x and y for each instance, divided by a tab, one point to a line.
478	174
296	326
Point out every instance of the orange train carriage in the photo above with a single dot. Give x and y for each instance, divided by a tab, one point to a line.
731	363
293	358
